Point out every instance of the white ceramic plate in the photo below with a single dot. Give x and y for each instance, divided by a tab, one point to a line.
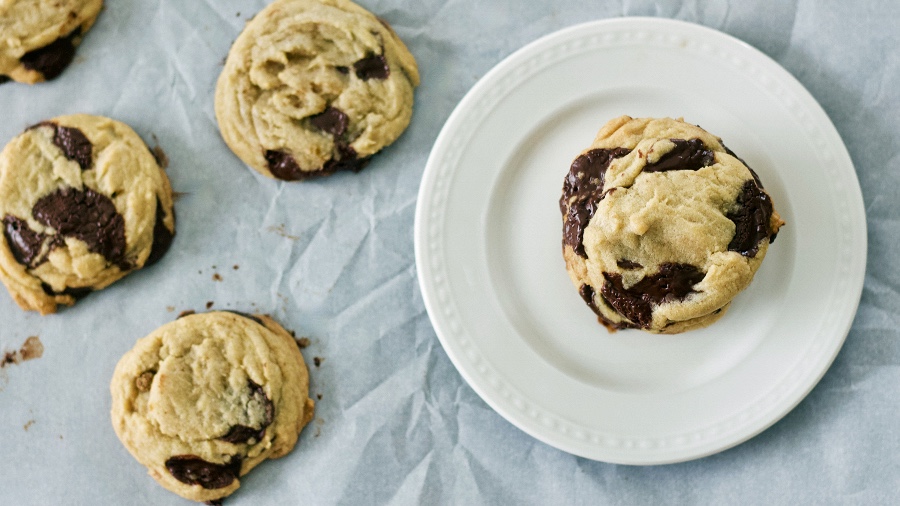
488	234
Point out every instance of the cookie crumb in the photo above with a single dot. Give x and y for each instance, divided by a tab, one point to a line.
186	312
170	308
303	342
216	277
209	304
318	361
31	349
28	424
280	230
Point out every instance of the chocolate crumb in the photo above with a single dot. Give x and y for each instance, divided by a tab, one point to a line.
209	304
303	342
236	267
319	396
216	277
318	361
186	312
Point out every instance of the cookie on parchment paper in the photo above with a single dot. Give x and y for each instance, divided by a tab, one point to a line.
204	399
312	87
83	202
38	37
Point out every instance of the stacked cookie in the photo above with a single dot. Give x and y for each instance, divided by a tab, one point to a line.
311	87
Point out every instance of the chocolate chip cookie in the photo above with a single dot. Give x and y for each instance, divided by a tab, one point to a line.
662	225
204	399
312	87
38	38
83	202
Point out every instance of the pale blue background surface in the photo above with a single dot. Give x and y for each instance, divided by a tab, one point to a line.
333	259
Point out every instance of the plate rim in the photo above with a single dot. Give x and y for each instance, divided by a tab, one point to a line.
449	134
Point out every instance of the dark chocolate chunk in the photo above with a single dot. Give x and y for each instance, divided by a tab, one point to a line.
672	282
582	191
24	243
52	59
215	502
245	315
162	236
242	434
587	294
751	220
193	470
628	264
88	216
74	145
372	67
332	120
76	293
5	79
346	160
342	69
686	155
283	166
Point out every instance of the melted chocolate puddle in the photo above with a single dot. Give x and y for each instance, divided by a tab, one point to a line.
52	59
672	282
582	191
162	237
751	220
193	470
686	155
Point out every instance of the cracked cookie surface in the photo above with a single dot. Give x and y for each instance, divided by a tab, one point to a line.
312	87
662	225
38	38
204	399
83	202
